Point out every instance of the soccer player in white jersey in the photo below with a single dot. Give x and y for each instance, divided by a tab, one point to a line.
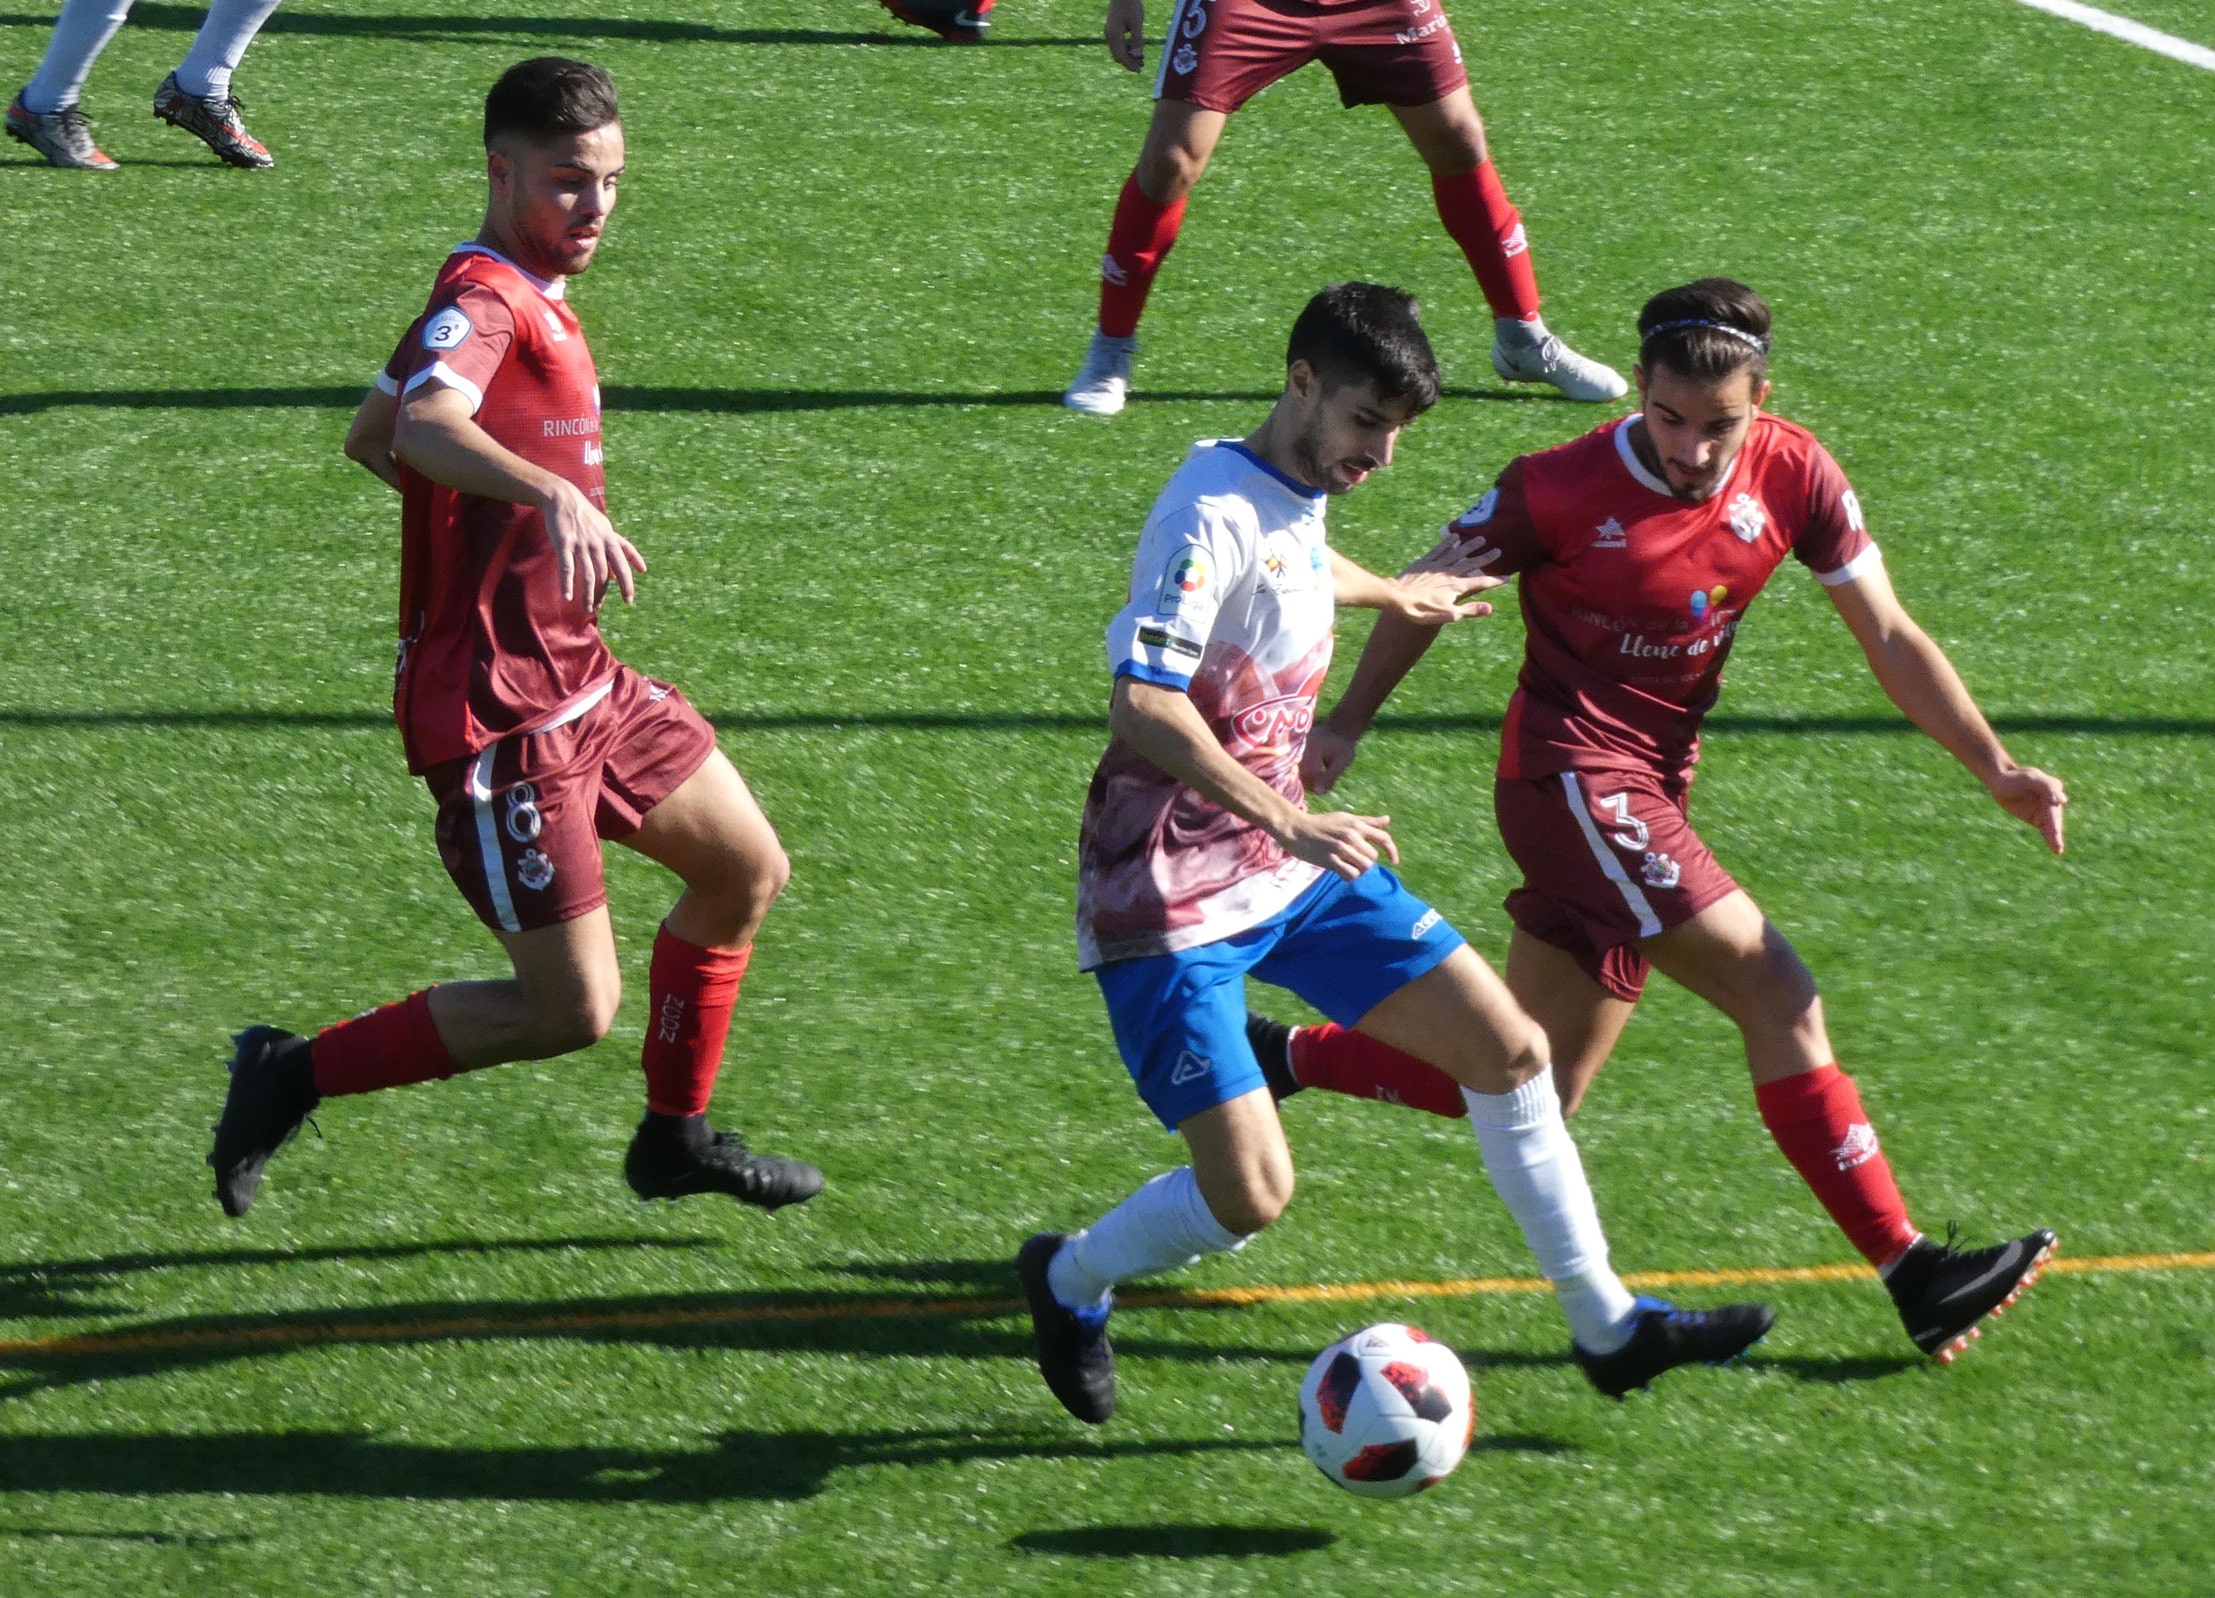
196	97
1200	863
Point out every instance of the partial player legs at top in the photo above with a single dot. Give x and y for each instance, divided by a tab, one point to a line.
196	97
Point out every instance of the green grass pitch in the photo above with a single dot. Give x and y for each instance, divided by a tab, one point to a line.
851	272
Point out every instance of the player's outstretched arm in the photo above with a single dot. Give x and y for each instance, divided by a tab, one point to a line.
436	435
1915	673
369	438
1126	33
1163	725
1422	599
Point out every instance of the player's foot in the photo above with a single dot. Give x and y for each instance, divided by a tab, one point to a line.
1666	1337
1073	1351
1522	356
1103	383
272	1091
64	137
676	1156
962	21
1272	1046
1943	1291
214	121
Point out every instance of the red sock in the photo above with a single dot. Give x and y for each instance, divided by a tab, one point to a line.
1485	223
1816	1118
386	1048
1338	1060
1138	239
693	992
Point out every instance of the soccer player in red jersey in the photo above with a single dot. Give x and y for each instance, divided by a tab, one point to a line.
534	740
1396	53
1639	547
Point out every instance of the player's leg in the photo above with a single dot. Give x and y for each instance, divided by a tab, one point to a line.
712	834
1732	956
1179	1026
1148	213
197	96
1582	1019
45	115
1473	205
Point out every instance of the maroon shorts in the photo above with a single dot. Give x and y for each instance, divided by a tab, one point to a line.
1221	53
520	822
1608	858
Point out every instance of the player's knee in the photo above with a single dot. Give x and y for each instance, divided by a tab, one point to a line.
1255	1202
1168	173
579	1017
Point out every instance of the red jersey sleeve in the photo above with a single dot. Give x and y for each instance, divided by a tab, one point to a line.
1501	521
1834	543
460	343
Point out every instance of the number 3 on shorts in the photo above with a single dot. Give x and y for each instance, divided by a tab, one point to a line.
1627	831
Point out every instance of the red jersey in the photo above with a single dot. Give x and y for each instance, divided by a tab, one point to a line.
488	647
1631	596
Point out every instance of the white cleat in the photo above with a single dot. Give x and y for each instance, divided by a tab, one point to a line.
1104	381
1548	360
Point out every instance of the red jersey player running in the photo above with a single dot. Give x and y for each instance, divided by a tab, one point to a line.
1396	53
534	740
1640	547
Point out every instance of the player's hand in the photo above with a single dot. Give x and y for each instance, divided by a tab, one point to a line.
1126	33
588	552
1327	755
1341	842
1434	598
1460	555
2029	795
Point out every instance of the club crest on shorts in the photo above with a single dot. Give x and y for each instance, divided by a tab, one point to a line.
534	870
1660	871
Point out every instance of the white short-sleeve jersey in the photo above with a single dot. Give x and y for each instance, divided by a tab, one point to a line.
1230	600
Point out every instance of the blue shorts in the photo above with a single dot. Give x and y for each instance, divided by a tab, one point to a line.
1345	947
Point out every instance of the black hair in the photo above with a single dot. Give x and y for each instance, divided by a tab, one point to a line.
547	98
1706	331
1367	333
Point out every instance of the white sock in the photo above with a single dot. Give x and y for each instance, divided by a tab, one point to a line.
215	54
1163	1225
1516	335
81	32
1534	1165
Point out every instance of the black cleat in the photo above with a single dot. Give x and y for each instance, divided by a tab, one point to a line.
676	1156
1073	1351
1272	1046
1666	1337
1942	1292
272	1091
958	21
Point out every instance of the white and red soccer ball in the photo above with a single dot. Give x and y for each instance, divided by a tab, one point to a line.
1386	1412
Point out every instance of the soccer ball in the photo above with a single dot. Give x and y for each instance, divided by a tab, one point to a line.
1386	1412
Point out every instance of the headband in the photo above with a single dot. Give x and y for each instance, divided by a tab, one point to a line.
1737	333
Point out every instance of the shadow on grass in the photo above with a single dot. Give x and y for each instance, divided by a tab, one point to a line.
158	1539
46	1288
1174	1542
1838	1372
452	28
741	1465
619	397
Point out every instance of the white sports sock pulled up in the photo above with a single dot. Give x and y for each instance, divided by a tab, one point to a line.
220	45
1534	1166
1164	1225
81	32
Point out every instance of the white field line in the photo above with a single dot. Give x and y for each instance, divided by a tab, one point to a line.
2168	44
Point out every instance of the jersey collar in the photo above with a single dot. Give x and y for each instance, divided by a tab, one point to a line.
1316	495
1637	468
552	288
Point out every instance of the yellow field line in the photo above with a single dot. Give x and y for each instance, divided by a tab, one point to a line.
572	1323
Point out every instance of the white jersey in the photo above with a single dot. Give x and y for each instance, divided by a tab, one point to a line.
1230	600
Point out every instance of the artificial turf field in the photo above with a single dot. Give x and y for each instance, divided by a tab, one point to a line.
447	1353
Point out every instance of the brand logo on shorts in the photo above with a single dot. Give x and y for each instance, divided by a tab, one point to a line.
1660	871
1859	1148
1612	535
524	821
1423	924
1747	518
447	330
1190	1068
534	870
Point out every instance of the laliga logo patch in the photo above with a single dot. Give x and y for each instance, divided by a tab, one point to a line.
447	330
1481	512
1747	518
1189	575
